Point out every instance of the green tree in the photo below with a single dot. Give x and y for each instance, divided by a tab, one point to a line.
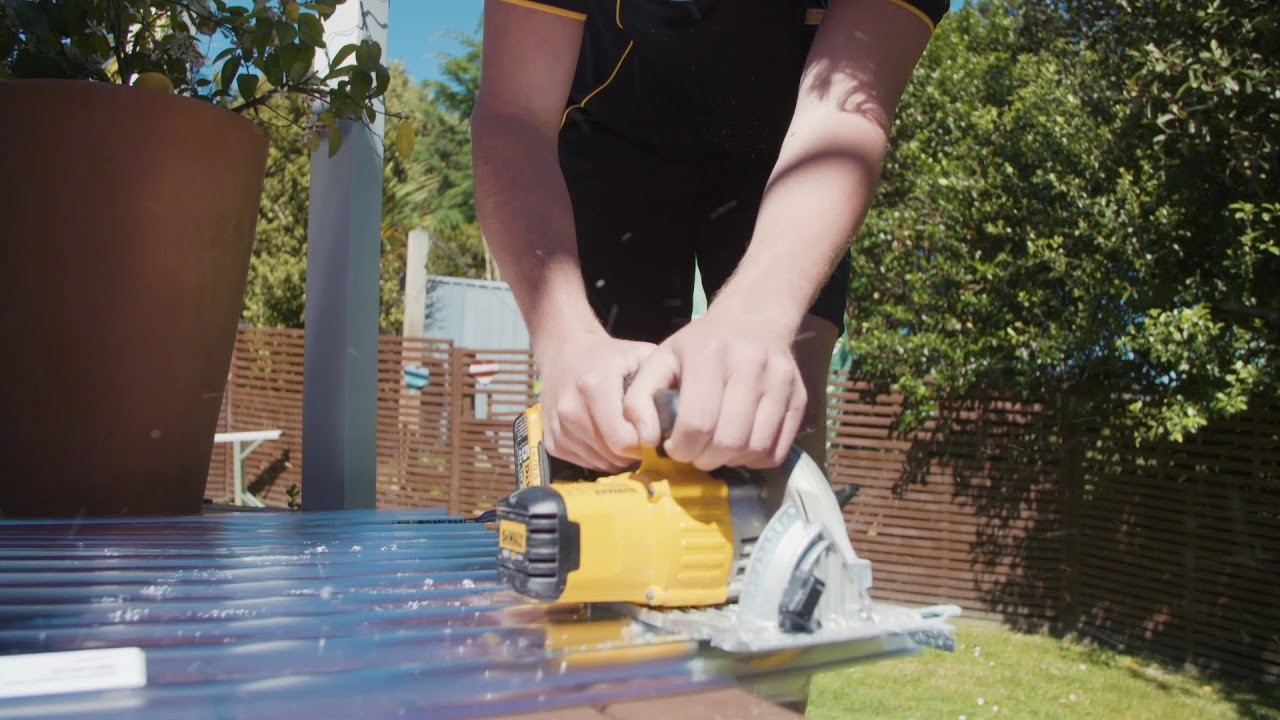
1035	233
407	186
432	188
1202	106
275	295
446	150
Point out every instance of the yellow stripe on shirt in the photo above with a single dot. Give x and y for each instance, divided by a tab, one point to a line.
914	11
564	118
548	8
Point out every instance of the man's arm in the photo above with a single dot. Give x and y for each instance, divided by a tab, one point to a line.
530	56
829	164
526	72
742	395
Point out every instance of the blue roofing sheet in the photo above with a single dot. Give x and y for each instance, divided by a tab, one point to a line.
319	615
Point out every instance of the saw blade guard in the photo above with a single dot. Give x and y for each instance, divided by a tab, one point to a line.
804	573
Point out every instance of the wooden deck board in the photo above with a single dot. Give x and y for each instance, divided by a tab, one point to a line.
725	704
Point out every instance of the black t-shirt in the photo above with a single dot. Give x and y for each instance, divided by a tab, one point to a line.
692	80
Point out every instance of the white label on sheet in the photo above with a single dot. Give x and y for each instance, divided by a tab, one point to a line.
72	671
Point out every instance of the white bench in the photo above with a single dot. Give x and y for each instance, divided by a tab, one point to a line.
237	440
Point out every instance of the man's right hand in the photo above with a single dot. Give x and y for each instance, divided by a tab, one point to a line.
581	400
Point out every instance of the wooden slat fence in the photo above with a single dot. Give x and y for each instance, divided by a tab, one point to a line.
1172	548
414	424
966	517
263	392
1179	546
484	457
446	445
1004	509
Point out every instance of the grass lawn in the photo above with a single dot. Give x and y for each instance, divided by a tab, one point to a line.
997	673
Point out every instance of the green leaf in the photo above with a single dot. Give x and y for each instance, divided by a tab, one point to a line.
286	32
334	134
302	63
247	84
260	39
344	71
368	54
229	71
273	66
343	53
383	77
405	138
311	30
361	84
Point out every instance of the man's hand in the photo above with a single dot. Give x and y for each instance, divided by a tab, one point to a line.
581	401
742	397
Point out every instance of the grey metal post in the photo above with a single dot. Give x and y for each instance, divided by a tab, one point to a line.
340	355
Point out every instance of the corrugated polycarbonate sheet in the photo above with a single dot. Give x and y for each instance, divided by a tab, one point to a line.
325	615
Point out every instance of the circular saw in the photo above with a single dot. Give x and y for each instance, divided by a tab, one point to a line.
747	560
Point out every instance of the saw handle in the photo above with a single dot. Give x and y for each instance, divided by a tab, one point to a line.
667	403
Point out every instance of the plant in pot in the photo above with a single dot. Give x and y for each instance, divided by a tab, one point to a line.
133	156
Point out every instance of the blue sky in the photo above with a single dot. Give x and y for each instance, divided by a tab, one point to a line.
417	30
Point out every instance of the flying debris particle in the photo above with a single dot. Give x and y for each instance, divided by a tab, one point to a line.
723	209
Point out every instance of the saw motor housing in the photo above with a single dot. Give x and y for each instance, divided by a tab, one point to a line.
665	534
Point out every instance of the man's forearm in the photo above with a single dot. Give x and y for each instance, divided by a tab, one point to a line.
816	198
829	165
527	219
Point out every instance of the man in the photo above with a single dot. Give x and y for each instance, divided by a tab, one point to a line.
618	142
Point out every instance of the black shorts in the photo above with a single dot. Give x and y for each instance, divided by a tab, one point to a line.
642	224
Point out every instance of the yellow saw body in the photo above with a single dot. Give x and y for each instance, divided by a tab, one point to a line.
749	560
660	535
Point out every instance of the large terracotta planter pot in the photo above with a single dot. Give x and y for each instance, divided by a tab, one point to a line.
127	219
